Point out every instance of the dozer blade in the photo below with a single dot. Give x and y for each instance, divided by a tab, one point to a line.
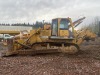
10	49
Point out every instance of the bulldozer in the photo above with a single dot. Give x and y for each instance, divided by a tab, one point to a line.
62	37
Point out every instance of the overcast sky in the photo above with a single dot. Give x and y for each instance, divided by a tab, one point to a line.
13	11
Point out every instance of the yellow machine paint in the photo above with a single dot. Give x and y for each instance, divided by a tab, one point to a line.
60	38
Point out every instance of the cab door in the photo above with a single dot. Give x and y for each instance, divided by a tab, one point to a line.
63	27
54	27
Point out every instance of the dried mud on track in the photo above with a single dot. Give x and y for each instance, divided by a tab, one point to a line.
86	62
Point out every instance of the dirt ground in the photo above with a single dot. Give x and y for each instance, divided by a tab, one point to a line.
85	62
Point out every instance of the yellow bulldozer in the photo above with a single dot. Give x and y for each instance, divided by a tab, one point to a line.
62	37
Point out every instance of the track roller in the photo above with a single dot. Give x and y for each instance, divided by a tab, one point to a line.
69	49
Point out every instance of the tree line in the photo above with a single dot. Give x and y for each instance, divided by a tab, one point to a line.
94	26
16	24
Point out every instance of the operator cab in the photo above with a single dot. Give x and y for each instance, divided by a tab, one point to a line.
60	28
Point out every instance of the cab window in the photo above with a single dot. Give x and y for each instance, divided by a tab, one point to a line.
64	24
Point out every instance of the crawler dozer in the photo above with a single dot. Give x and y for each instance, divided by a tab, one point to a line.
62	37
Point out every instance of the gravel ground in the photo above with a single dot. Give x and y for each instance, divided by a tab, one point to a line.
86	62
